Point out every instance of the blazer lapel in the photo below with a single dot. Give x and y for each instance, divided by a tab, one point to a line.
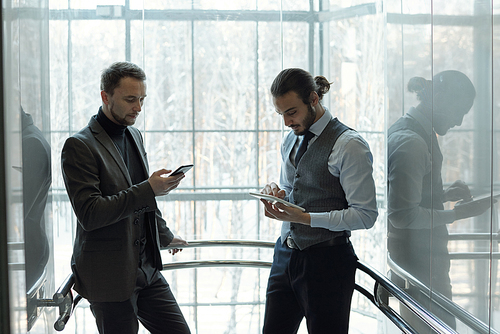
136	136
102	137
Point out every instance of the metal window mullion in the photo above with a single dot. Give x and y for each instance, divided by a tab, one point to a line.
310	50
193	140
128	55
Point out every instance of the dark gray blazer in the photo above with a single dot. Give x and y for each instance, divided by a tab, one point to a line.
107	206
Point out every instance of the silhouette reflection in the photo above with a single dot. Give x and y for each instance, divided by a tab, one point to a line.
37	178
417	231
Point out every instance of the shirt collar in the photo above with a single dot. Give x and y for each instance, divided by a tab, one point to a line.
318	127
422	119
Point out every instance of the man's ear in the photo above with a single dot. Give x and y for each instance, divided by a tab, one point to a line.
313	99
104	97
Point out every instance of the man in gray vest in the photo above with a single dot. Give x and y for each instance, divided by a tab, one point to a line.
327	170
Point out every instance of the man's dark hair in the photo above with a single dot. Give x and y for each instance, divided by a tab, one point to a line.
301	82
452	86
111	76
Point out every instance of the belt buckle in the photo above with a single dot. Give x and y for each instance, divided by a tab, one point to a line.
290	243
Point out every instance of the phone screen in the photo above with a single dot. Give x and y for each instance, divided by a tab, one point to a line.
181	169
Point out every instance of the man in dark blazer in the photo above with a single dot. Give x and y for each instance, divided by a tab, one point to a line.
116	257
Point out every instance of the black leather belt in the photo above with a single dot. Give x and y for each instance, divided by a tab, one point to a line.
342	240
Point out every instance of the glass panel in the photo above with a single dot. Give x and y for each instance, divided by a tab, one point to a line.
295	45
92	4
209	103
226	159
295	5
269	55
161	4
226	4
495	267
444	84
168	65
269	4
27	165
225	75
170	150
59	92
13	169
241	318
354	64
58	4
88	62
287	5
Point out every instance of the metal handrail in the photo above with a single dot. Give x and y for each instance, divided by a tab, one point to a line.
474	236
226	243
441	301
425	316
376	298
428	318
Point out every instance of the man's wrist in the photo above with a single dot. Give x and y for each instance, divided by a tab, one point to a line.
305	219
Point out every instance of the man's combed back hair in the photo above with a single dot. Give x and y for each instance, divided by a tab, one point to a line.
301	82
111	76
450	84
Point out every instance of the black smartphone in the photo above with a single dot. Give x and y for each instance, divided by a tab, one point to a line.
181	169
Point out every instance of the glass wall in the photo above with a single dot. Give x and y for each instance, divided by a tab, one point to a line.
415	78
27	158
442	158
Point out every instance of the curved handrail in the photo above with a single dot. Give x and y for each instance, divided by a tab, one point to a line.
431	320
425	316
63	299
64	288
380	281
446	304
225	243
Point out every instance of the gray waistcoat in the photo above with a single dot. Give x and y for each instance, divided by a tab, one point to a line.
313	186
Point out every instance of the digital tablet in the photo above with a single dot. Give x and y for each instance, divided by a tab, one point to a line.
481	198
274	199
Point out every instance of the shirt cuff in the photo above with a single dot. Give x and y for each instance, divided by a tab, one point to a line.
320	219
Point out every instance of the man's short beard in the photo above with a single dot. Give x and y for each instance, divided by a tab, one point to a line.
309	120
120	121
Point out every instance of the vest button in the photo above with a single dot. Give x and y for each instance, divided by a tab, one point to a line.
292	227
295	189
297	175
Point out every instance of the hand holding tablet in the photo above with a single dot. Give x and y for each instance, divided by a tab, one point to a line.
274	199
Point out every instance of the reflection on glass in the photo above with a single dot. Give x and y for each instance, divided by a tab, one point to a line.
37	178
418	235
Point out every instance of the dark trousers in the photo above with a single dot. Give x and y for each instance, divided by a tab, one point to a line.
316	283
153	305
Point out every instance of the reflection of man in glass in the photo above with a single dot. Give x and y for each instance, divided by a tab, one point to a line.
418	236
37	178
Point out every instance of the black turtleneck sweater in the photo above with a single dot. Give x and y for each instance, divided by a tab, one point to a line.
125	144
